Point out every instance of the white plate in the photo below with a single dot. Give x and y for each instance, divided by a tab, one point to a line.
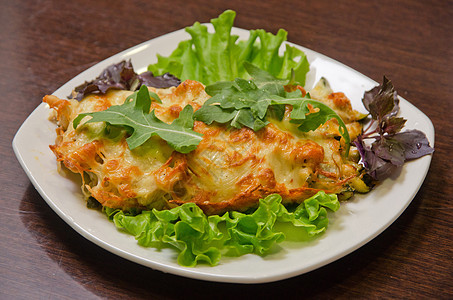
356	223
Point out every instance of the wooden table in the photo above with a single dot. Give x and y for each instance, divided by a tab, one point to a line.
44	44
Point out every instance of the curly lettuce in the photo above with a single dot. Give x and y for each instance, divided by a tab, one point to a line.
201	238
219	56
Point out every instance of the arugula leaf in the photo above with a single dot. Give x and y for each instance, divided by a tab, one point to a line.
155	96
247	102
391	148
310	119
134	115
219	56
201	238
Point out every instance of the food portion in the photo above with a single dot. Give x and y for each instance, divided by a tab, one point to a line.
211	165
230	169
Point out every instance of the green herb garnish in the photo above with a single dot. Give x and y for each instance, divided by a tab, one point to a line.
246	103
135	117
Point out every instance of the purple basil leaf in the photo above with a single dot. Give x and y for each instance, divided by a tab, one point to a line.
381	169
381	101
414	142
163	81
396	102
369	96
389	149
375	166
358	142
392	125
384	102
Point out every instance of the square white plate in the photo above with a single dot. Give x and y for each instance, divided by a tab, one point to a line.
356	223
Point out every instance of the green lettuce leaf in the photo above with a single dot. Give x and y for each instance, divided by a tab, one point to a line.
219	56
201	238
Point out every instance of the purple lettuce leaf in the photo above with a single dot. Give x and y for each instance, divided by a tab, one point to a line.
123	77
163	81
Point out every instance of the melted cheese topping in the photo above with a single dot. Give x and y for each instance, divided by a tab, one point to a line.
231	169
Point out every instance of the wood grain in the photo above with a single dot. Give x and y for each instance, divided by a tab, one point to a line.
43	44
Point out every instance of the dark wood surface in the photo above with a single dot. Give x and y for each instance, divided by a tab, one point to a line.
43	44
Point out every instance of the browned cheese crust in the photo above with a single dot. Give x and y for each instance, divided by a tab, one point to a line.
231	169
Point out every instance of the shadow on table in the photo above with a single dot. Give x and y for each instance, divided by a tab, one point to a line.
107	275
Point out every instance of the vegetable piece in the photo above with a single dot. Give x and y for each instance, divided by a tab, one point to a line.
391	148
212	57
135	117
199	238
164	81
123	77
246	103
